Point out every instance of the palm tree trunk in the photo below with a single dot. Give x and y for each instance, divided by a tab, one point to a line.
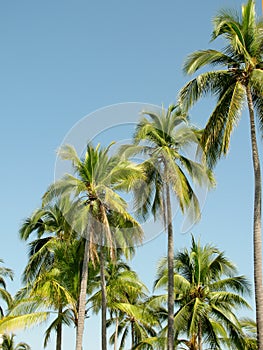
257	239
82	297
132	335
103	300
170	254
116	332
199	335
59	331
105	227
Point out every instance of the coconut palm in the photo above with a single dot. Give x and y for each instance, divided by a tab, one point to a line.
249	327
50	225
134	320
248	335
123	287
54	233
162	137
98	177
207	296
9	343
237	81
53	292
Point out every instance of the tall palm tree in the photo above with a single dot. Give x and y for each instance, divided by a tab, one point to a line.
207	294
238	80
98	178
53	291
53	233
162	137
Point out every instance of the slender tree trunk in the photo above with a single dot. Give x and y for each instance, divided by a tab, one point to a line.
59	331
170	255
199	336
82	297
105	228
132	335
116	332
103	300
257	239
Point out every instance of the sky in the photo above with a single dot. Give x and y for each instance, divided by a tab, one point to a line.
62	62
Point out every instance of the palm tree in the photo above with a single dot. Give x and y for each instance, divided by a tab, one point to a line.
249	327
50	225
9	344
98	177
53	234
4	294
162	137
238	80
53	292
132	319
207	295
123	288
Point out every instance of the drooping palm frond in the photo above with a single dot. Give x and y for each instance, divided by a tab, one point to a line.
12	323
4	294
9	343
207	293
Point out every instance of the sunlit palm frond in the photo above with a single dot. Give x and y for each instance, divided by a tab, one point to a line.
12	323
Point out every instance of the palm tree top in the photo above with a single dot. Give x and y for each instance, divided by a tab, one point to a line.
204	266
97	172
244	37
239	70
162	140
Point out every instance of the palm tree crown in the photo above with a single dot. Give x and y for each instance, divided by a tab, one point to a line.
240	71
102	216
207	293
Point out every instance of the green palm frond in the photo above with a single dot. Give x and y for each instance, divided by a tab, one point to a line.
241	58
11	323
6	296
199	59
68	184
156	343
207	294
67	152
9	343
238	284
212	82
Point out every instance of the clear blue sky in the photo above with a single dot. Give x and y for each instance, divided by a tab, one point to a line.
60	61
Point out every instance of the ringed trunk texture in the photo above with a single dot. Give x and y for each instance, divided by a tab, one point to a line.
105	231
257	238
132	335
170	255
59	332
82	297
103	300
